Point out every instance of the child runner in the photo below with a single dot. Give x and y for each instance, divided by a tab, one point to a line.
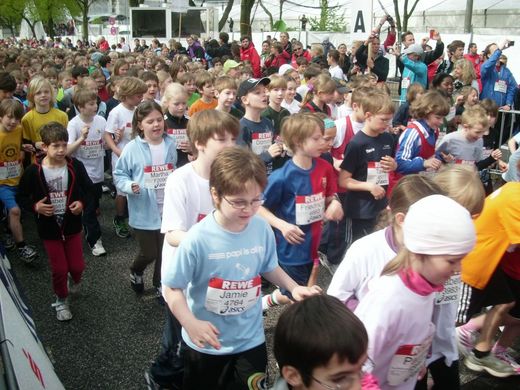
152	83
206	86
366	166
275	112
86	134
174	107
141	174
187	80
54	188
187	200
298	197
289	102
217	302
318	341
41	97
320	94
437	233
11	112
118	135
226	93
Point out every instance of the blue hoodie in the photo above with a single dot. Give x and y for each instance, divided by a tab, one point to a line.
490	75
143	209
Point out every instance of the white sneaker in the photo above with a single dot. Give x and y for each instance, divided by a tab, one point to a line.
506	357
97	249
62	309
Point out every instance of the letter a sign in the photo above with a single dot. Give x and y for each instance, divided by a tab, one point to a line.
361	20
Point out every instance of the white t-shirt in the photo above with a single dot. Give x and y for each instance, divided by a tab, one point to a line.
293	107
400	331
91	152
120	117
341	129
57	182
158	153
363	262
335	71
302	90
343	111
186	201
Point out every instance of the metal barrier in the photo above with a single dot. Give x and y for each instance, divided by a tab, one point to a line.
502	123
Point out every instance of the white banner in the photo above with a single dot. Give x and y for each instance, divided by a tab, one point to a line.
361	20
180	6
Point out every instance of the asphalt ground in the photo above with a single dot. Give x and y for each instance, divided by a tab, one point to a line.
114	333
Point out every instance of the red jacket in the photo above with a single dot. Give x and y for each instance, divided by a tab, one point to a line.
476	61
250	54
104	46
305	54
278	60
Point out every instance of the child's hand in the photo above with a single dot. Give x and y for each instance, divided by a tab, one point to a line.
185	146
496	154
202	333
43	208
388	164
29	148
84	132
293	234
459	100
447	157
38	145
76	207
302	292
502	166
432	163
135	188
118	134
377	191
334	211
275	149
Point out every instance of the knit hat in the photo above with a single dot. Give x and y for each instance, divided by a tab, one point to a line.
415	48
284	68
437	225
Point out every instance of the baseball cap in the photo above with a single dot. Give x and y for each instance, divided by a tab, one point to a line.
414	49
250	84
230	64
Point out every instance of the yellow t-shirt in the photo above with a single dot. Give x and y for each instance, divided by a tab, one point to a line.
33	121
199	105
497	228
10	156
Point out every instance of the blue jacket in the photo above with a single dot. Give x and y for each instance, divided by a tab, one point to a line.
407	155
490	75
142	207
416	71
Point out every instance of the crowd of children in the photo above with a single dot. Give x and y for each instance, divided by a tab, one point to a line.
229	182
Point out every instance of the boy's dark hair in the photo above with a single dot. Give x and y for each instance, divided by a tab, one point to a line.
7	82
310	332
224	36
53	132
245	37
149	76
103	61
453	46
11	107
405	34
302	61
490	106
311	71
79	71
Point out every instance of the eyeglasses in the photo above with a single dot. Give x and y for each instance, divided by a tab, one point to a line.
243	204
345	383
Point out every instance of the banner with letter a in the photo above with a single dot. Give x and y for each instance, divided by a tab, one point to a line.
361	20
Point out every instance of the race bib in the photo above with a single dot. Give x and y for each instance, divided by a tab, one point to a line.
59	201
261	142
309	208
127	134
407	362
405	83
450	294
376	175
10	170
232	297
155	176
500	86
92	149
179	135
464	162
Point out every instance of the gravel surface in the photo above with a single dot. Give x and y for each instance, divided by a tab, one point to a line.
115	334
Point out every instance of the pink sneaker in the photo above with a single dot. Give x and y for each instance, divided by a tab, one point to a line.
504	355
465	340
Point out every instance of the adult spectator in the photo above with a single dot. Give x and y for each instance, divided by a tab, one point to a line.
103	44
327	45
455	53
464	75
249	53
195	49
156	47
373	61
474	57
299	51
137	46
318	56
407	39
286	44
344	60
125	47
277	58
224	48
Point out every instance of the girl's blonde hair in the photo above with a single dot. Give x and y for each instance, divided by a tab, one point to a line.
462	184
174	89
317	48
323	83
298	127
36	84
130	86
467	71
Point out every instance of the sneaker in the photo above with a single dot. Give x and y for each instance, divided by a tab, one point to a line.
73	287
505	356
27	253
97	249
137	282
491	364
324	261
465	340
122	229
8	242
105	189
62	309
151	383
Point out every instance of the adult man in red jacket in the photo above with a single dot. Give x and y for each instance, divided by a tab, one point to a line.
249	53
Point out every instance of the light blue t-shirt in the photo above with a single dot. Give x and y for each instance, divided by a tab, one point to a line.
219	272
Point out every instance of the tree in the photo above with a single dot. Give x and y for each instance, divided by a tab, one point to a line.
402	23
225	15
84	7
11	12
330	19
246	7
50	12
269	14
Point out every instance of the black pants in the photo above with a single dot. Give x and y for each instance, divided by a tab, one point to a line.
334	237
89	219
444	377
150	250
168	368
359	228
241	371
